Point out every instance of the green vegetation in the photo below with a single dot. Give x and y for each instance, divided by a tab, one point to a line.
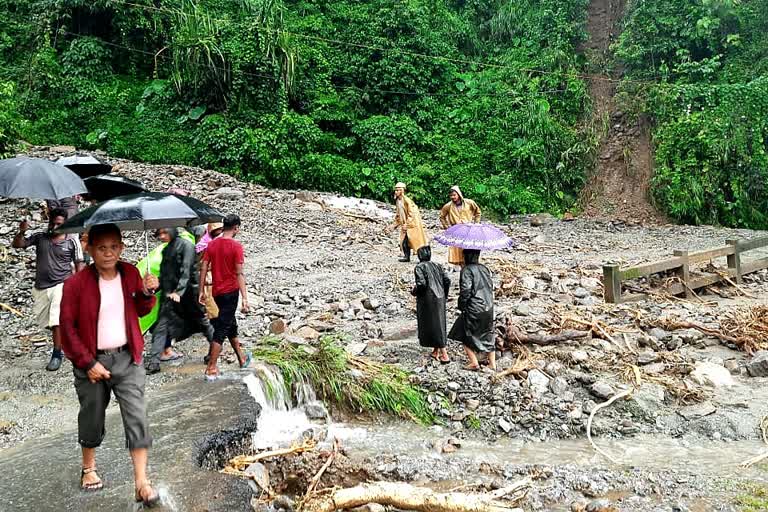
754	499
351	96
709	105
355	383
346	96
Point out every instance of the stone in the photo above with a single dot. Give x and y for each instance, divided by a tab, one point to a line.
229	193
356	349
523	310
601	505
278	326
659	334
542	219
538	381
579	505
732	365
472	404
711	374
529	282
307	333
579	356
587	301
655	368
576	413
700	410
758	365
316	411
371	304
505	425
581	293
648	399
647	357
259	477
602	389
558	386
554	368
563	298
454	386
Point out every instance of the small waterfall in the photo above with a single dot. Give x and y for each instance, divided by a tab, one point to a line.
288	416
280	423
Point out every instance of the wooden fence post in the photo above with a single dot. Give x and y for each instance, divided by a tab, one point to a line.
684	272
734	260
612	283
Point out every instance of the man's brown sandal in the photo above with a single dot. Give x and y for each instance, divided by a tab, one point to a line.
93	486
148	501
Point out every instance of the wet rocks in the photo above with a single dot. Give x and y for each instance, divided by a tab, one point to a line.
316	411
538	381
692	412
711	374
602	389
758	365
647	357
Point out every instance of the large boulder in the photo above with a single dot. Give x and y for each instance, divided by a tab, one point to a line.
711	374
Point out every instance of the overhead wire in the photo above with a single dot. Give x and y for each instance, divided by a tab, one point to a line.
155	55
521	69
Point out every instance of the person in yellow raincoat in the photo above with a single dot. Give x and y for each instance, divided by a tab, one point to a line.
408	219
458	211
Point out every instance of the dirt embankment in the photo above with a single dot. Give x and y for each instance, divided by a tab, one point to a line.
619	185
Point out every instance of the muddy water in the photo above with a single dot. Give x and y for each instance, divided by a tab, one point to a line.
43	475
653	452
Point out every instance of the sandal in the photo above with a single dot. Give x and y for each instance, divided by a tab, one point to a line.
472	368
94	486
148	501
210	377
445	361
173	357
247	361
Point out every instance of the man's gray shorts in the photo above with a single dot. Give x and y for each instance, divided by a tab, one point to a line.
127	383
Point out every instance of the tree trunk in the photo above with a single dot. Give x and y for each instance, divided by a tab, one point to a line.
407	497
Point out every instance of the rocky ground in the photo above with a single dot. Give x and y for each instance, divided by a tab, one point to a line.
318	264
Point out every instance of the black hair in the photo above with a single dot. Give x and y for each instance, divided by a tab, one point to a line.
471	256
425	253
231	220
100	230
58	212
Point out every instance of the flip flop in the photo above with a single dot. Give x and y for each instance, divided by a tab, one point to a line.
434	356
172	357
96	486
247	361
447	361
472	368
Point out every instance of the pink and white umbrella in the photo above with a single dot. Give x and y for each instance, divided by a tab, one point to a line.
482	237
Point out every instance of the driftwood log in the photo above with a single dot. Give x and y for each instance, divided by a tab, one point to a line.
407	497
509	334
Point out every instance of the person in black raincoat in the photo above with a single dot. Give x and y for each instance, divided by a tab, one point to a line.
431	290
181	314
474	327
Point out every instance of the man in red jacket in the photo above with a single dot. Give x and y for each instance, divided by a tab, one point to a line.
100	309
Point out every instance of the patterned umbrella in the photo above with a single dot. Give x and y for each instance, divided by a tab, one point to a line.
483	237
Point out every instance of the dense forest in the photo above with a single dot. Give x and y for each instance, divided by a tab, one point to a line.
352	96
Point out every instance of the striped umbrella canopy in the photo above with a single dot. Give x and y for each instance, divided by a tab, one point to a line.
482	237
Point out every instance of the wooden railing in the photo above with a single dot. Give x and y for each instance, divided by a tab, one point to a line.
680	264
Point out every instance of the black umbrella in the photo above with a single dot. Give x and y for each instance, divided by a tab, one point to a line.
84	166
37	178
109	186
140	212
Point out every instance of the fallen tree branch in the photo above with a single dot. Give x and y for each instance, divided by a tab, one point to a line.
11	309
316	479
623	394
407	497
237	464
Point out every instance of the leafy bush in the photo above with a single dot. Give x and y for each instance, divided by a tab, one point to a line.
10	121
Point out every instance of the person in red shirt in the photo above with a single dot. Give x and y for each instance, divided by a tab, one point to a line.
224	257
100	311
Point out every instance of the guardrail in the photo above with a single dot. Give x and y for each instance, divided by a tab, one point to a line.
679	264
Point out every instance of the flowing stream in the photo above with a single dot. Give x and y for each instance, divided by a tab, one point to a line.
43	475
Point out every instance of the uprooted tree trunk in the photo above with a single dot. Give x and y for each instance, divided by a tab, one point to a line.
407	497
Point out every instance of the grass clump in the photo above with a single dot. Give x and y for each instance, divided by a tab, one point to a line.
754	500
352	382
